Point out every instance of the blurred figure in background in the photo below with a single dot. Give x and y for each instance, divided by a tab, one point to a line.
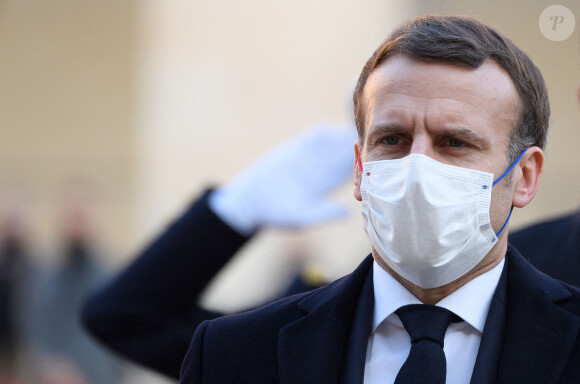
59	292
553	246
151	310
14	249
60	371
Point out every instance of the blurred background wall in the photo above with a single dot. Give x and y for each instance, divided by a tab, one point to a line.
150	102
66	106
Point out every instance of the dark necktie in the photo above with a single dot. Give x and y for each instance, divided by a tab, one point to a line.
426	324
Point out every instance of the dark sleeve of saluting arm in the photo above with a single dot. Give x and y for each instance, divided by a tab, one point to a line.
149	313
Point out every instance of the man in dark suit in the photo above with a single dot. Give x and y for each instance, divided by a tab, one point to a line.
553	246
452	118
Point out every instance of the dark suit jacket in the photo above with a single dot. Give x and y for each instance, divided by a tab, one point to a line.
309	338
553	247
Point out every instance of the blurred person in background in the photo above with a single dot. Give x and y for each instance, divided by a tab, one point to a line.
60	371
553	246
59	291
151	310
14	263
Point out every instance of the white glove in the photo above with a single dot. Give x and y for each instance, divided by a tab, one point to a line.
288	186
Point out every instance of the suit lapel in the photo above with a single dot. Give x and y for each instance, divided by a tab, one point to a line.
310	349
352	369
488	356
539	335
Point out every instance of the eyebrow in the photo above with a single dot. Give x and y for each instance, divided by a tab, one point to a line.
468	135
386	128
453	133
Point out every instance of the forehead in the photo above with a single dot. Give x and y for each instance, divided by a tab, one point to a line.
411	86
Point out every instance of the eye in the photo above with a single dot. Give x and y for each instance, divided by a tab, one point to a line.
392	140
455	143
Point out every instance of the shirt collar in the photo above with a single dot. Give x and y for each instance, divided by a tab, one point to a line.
470	302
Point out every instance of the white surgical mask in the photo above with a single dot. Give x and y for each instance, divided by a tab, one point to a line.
428	221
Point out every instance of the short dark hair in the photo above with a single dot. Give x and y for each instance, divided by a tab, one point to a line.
461	40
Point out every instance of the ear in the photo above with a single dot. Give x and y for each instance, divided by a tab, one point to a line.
531	164
357	174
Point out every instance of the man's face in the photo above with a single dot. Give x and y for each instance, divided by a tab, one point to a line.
455	115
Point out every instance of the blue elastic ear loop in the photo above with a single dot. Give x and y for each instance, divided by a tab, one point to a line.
505	224
501	177
510	168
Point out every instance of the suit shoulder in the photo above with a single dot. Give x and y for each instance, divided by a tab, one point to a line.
285	310
272	314
242	347
571	304
245	345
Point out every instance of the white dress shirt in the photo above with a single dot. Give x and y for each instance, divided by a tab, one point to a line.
389	343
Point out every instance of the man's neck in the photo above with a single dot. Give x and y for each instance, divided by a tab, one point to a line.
434	295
